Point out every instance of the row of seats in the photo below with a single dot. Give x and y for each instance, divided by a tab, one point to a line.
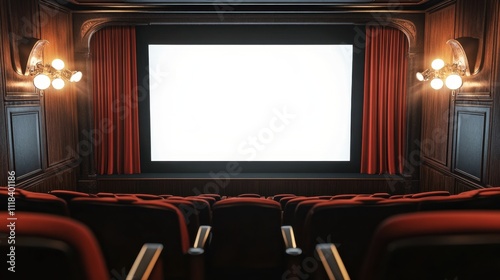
350	221
246	238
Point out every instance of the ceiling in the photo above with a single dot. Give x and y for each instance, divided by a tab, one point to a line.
229	2
403	4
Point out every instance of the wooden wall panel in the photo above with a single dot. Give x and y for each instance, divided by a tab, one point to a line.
462	186
494	152
37	130
60	105
475	139
431	180
235	186
4	161
439	28
19	19
471	141
26	143
52	180
475	19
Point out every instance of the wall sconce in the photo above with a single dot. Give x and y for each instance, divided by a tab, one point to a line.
464	57
54	73
31	63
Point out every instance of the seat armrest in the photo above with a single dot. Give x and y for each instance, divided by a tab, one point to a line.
200	241
145	261
196	254
289	239
332	262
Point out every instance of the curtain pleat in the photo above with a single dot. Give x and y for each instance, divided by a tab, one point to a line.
115	100
384	104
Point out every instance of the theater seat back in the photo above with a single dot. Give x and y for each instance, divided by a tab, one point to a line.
123	226
246	239
49	247
459	244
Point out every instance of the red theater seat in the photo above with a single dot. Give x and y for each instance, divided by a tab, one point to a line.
284	200
247	242
105	194
208	199
143	196
123	225
50	247
249	195
427	245
67	195
189	213
381	195
203	208
216	196
300	215
436	245
429	194
28	201
350	225
291	205
452	202
343	196
278	197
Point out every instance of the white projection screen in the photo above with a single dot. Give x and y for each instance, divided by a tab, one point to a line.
250	102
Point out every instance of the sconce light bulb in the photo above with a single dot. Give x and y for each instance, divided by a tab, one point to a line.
453	81
58	64
76	76
58	83
437	64
41	81
420	76
437	83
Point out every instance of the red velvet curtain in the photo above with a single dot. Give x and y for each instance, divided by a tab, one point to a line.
384	108
115	92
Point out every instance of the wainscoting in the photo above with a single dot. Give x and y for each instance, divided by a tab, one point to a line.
225	184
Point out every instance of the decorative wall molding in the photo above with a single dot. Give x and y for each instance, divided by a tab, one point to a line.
409	29
90	26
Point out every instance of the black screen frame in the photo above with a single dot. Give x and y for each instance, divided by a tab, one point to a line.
250	34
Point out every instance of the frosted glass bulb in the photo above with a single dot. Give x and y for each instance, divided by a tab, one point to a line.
453	81
437	83
58	64
58	83
76	76
41	81
437	64
420	76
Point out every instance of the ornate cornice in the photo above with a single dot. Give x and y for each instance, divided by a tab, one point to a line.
408	28
90	26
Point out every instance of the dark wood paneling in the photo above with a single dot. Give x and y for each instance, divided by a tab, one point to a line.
475	161
19	19
471	17
475	19
56	178
471	141
59	105
462	186
433	180
471	22
494	152
3	129
26	144
439	28
235	186
37	132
